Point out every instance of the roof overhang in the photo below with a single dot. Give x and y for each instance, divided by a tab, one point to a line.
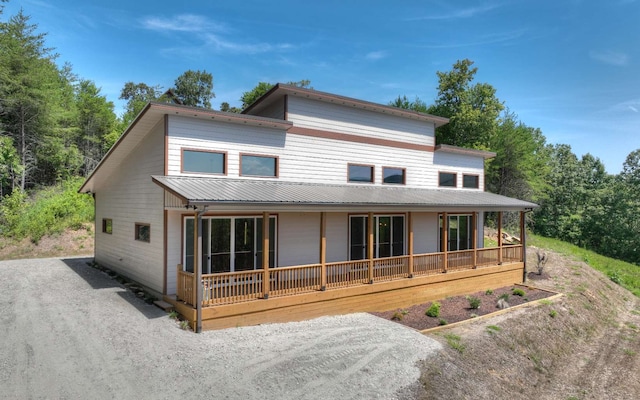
280	90
226	194
445	148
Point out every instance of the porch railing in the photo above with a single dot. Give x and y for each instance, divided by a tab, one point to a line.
235	287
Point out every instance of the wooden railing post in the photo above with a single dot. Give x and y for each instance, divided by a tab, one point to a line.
500	237
445	241
323	251
410	275
474	239
370	245
265	254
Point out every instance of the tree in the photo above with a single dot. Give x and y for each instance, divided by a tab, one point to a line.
415	105
137	96
260	89
473	110
10	168
194	88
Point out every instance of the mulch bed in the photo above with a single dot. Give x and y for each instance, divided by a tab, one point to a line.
457	308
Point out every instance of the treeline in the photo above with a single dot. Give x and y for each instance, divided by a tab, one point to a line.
55	126
579	201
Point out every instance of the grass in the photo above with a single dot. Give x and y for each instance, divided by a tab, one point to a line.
453	340
620	272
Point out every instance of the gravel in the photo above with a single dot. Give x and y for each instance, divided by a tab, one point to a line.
70	331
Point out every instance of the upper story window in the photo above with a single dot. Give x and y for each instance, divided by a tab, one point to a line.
447	179
207	162
394	175
360	173
471	181
258	165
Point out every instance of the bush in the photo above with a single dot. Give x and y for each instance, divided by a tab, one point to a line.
518	292
433	310
474	302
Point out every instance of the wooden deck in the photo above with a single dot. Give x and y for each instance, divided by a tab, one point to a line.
309	291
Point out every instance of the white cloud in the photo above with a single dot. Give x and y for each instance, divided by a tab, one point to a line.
610	57
181	23
460	13
632	108
376	55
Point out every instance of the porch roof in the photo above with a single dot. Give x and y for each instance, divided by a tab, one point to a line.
225	193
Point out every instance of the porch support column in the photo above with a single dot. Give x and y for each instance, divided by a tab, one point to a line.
445	241
196	260
370	245
474	239
197	267
410	223
265	254
500	238
523	242
323	251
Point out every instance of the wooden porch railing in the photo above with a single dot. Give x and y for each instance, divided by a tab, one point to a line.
235	287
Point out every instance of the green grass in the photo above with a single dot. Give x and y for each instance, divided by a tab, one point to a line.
623	273
453	340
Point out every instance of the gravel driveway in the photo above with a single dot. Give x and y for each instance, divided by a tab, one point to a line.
68	331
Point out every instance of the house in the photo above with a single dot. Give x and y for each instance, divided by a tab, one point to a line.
305	204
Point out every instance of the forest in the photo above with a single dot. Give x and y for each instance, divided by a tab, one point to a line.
56	126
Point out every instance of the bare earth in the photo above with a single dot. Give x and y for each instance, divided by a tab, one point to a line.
69	331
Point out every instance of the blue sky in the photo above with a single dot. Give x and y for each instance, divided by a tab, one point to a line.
568	67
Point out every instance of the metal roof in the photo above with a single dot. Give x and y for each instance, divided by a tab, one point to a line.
274	194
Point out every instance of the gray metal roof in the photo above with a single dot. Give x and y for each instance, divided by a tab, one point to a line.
272	193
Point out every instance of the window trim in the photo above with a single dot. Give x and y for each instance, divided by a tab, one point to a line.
373	173
224	163
275	158
477	186
107	226
404	176
470	222
376	236
136	233
455	179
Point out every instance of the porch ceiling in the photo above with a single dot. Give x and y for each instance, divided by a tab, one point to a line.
280	195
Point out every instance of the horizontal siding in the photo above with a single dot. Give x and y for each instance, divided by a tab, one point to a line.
129	196
315	114
298	239
174	248
425	233
461	164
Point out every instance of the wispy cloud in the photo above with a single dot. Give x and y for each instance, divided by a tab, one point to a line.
610	57
500	37
376	55
460	13
625	107
212	35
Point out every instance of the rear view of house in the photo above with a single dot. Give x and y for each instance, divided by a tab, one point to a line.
306	204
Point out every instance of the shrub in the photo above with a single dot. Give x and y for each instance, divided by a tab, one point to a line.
504	296
517	292
399	315
488	292
474	302
553	313
433	310
442	321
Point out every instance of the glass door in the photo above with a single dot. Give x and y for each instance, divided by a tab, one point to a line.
245	246
358	238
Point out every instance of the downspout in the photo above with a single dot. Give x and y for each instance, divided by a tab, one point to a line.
199	273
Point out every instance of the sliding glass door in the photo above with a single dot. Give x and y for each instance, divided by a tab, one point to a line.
388	236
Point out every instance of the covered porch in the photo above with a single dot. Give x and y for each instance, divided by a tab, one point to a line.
365	281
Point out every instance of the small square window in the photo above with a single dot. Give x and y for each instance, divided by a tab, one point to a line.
208	162
393	175
360	173
253	165
470	181
143	232
107	225
447	179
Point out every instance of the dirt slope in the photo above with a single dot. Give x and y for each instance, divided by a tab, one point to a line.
585	345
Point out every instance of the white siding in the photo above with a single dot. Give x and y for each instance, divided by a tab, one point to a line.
315	114
174	248
425	233
129	196
298	239
461	164
337	237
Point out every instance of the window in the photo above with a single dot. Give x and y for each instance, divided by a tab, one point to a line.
360	173
460	232
447	179
393	175
388	236
143	232
254	165
208	162
229	244
470	181
107	225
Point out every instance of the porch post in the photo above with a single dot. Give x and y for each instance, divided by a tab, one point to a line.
445	241
195	259
500	237
265	254
370	245
198	270
323	251
410	223
523	243
474	239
